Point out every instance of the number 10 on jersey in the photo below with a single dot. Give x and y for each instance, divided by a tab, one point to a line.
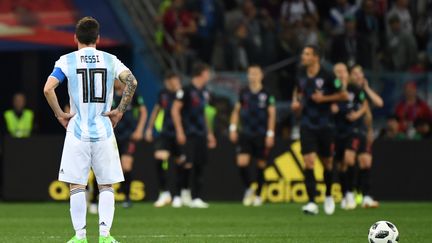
96	86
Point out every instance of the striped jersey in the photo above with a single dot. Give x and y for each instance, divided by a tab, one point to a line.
91	74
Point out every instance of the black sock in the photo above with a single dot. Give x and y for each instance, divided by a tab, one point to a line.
244	174
179	179
365	181
343	182
310	184
95	192
161	175
350	178
185	178
126	184
198	181
260	180
328	180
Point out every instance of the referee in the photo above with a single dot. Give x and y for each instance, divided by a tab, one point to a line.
315	91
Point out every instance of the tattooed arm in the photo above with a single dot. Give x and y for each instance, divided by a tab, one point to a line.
131	83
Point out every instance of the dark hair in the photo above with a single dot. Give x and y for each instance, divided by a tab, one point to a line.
199	68
255	65
316	50
87	30
170	75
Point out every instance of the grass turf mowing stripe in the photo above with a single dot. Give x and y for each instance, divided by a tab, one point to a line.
222	222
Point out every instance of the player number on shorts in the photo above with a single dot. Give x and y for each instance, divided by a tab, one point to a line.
91	73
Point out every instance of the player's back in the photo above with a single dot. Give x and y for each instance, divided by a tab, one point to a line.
91	74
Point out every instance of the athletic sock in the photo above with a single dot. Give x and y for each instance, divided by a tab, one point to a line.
179	179
106	210
244	174
343	182
161	174
198	181
260	180
310	184
365	181
78	210
126	184
350	178
185	178
328	180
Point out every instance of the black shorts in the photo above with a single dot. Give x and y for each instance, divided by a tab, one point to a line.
355	142
126	147
320	141
252	145
168	143
196	150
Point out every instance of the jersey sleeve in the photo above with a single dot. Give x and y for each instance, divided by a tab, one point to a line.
271	101
181	95
59	70
119	67
139	100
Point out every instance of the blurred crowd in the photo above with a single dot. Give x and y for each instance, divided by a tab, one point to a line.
392	35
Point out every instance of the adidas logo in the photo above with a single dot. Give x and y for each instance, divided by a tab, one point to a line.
285	179
102	224
61	171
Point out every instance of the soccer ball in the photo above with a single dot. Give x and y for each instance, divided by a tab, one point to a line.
383	232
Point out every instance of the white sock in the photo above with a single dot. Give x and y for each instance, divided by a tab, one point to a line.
78	210
106	210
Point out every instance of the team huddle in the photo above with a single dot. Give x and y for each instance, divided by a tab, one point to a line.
106	121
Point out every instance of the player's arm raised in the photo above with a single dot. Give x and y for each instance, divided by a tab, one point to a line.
131	83
50	95
374	97
151	122
234	120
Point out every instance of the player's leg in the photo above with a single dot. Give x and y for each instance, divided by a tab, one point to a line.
180	163
243	158
326	152
261	153
162	157
243	161
349	163
199	163
341	167
74	169
183	169
308	149
365	164
108	170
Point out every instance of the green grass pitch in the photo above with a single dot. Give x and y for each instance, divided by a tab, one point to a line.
222	222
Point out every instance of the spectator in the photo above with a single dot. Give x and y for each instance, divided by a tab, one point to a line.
423	129
294	10
350	47
401	51
400	9
19	120
391	131
411	108
338	14
239	48
308	33
179	23
367	20
254	31
210	19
